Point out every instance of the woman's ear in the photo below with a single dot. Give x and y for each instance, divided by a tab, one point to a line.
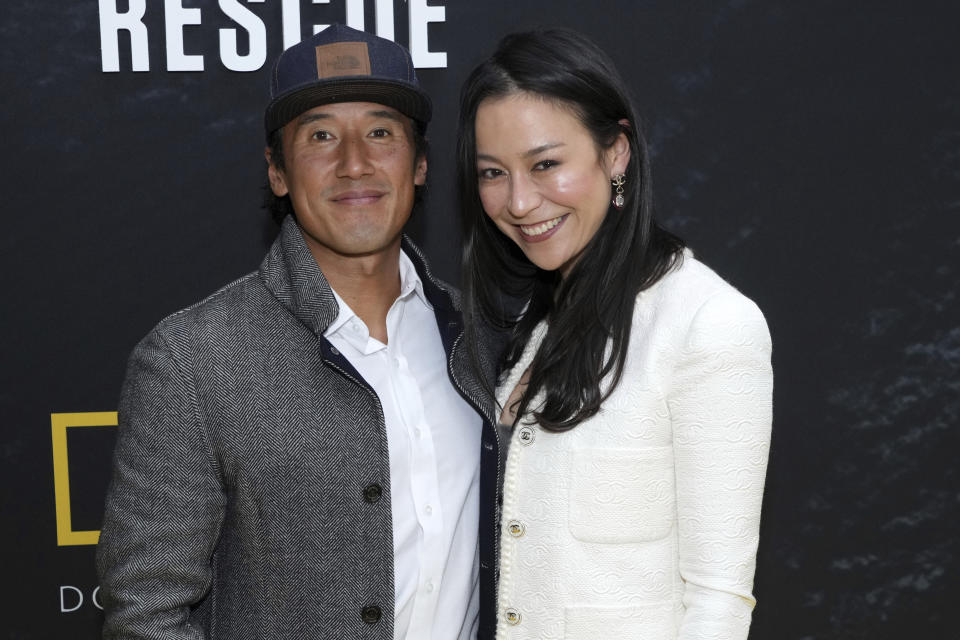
618	154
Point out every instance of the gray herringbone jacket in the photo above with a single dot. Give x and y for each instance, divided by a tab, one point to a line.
237	508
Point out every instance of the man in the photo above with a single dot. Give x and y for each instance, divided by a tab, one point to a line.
298	454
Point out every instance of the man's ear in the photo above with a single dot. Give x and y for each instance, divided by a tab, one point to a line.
420	173
278	183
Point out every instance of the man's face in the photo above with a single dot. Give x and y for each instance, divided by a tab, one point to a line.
350	172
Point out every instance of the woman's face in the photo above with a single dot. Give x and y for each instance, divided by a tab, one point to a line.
541	177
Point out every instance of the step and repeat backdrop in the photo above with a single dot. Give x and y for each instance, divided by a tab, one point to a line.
809	152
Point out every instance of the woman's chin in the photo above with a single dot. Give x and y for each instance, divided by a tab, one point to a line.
546	260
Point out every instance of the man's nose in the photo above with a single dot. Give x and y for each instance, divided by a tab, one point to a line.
354	159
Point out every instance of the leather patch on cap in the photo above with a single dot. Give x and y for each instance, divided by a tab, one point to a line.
343	59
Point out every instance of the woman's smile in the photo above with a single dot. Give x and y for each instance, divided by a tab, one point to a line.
543	230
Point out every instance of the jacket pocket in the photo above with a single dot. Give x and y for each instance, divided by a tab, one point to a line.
645	622
622	495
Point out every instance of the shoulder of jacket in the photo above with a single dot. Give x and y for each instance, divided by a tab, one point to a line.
229	298
695	281
692	294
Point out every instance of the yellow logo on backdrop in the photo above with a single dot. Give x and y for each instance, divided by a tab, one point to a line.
59	423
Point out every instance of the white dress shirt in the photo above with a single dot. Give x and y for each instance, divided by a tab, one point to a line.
434	463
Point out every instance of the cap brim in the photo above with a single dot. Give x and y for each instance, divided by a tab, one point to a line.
405	98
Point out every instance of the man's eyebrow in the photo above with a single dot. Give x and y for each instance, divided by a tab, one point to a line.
526	154
307	118
383	113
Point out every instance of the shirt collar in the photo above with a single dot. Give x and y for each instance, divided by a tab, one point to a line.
410	280
410	283
343	317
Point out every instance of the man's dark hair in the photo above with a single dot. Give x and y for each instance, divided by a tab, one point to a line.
280	208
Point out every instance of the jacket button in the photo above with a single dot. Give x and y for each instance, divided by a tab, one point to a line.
488	445
515	528
526	435
334	351
372	493
512	616
371	614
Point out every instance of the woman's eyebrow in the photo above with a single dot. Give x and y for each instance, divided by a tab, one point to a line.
544	147
526	154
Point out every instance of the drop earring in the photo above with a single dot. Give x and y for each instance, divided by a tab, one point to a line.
618	182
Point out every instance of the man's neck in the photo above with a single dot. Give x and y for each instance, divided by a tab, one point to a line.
369	284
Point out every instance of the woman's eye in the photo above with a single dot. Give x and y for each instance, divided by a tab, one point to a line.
490	174
545	164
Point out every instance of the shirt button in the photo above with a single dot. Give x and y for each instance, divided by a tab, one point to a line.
417	432
512	616
428	510
516	528
526	435
371	614
372	493
429	587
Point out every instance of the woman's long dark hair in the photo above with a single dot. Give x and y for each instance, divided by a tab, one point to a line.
591	310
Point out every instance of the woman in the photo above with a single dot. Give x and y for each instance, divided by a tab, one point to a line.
635	390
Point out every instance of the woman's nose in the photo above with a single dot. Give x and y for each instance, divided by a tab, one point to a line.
524	196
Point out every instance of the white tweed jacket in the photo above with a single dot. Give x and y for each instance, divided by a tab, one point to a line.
642	522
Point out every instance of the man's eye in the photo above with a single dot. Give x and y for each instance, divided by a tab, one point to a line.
490	174
380	133
321	135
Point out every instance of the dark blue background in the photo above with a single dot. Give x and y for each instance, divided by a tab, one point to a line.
808	151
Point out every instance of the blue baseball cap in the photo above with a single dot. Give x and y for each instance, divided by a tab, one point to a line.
341	64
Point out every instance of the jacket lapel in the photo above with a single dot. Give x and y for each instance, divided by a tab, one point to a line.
291	273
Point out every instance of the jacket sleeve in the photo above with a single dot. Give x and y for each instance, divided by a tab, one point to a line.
721	410
164	507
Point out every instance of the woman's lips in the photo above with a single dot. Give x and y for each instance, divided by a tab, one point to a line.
542	230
